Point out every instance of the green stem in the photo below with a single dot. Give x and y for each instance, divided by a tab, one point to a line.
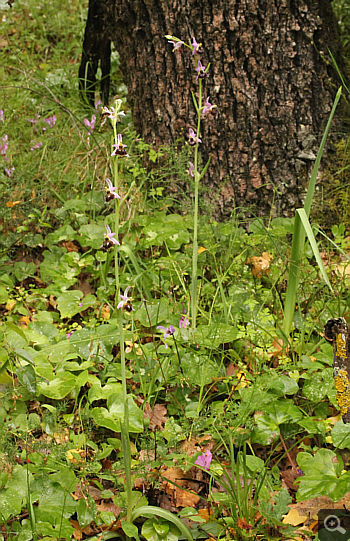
125	424
195	221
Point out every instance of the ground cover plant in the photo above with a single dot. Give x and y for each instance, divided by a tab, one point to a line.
162	376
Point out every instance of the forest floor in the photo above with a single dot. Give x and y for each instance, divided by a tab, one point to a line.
235	431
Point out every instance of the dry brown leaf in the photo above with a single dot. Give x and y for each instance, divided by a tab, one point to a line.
243	525
156	416
105	312
23	321
11	204
77	534
206	514
11	303
277	348
231	369
70	246
52	302
260	265
294	518
111	507
179	497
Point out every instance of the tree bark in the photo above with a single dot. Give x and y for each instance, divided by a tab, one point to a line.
270	76
337	332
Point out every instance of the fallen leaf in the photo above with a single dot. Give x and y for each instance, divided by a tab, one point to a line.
105	312
294	518
77	534
277	348
111	507
260	265
70	246
179	497
243	525
11	204
201	250
11	303
156	416
206	514
23	321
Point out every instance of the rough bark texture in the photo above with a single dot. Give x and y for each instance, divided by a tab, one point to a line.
337	331
96	49
270	77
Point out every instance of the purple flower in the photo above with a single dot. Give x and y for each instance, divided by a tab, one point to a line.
192	138
2	116
191	169
201	74
4	147
207	107
80	304
9	171
183	322
169	331
51	121
97	104
176	44
91	124
111	191
124	299
69	334
196	47
37	145
109	240
112	114
119	147
204	460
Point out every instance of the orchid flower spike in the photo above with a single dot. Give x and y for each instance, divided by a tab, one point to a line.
176	44
91	124
119	147
192	138
169	331
190	170
201	73
196	47
125	300
111	191
109	240
208	107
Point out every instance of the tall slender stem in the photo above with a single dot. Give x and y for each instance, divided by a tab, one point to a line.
195	219
125	423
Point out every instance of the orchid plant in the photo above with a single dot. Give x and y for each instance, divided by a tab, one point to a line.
194	141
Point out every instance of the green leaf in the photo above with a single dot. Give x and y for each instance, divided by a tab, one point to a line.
266	430
27	377
214	335
283	411
198	369
341	435
155	313
130	530
322	476
68	303
58	387
160	530
86	511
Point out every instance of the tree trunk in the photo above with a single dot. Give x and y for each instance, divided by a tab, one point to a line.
270	76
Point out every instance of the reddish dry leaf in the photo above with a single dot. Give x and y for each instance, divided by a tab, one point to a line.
111	507
260	265
156	416
243	525
180	497
70	246
231	369
77	534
